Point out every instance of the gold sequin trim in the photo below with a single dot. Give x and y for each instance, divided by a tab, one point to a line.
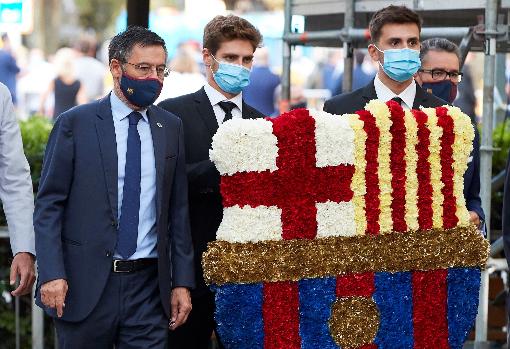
292	260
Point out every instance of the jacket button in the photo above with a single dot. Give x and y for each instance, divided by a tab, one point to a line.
114	223
108	253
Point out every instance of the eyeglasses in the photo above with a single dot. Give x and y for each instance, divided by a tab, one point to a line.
146	69
440	74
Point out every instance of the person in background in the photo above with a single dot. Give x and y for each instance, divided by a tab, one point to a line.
260	93
359	77
8	67
184	78
440	75
17	196
66	87
229	45
89	70
114	249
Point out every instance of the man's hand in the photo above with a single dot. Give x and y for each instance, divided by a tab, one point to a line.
473	218
22	265
53	295
181	306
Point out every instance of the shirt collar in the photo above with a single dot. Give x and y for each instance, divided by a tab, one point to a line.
385	94
215	97
120	110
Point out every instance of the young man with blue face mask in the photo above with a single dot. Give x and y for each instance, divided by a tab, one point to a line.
395	45
229	45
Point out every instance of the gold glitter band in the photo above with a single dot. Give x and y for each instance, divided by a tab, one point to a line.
354	321
292	260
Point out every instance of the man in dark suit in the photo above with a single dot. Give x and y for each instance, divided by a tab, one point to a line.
395	44
113	245
439	75
229	44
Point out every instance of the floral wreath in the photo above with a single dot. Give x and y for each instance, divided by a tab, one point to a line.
345	231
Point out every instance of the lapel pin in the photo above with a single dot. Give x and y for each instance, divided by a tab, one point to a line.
159	125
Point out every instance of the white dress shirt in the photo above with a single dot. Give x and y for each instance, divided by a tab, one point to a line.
215	97
147	236
385	94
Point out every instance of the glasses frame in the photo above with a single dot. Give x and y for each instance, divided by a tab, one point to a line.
139	67
454	76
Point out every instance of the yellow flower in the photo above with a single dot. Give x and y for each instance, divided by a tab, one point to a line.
462	147
382	116
411	158
358	184
436	132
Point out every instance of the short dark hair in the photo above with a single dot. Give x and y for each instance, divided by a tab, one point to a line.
389	15
122	44
228	28
439	44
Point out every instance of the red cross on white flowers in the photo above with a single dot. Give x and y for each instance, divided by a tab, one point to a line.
300	184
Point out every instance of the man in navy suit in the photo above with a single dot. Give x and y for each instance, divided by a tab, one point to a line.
229	45
113	244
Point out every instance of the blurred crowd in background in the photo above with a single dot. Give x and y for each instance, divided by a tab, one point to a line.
76	72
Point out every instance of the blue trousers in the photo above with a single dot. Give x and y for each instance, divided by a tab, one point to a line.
129	315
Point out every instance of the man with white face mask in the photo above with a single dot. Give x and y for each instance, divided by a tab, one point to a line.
229	45
395	45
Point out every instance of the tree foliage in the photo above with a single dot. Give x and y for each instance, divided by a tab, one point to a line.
98	14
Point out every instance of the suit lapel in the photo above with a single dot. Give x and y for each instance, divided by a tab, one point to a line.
108	148
206	112
158	132
421	98
247	112
369	92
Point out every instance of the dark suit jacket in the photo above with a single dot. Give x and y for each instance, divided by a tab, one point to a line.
75	216
356	100
205	204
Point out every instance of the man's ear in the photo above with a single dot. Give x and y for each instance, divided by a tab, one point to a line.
374	53
206	57
115	68
417	78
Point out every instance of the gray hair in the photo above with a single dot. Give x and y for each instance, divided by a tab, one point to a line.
122	44
438	44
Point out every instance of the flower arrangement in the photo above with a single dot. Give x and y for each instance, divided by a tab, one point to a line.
345	231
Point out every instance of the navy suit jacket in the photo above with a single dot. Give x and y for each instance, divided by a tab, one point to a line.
75	216
205	203
356	100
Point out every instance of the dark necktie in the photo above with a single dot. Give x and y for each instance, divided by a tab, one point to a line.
129	217
398	100
227	108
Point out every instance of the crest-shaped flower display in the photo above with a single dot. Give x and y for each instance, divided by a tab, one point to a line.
345	231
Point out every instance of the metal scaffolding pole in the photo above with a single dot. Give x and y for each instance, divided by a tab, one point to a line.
362	35
285	94
486	150
348	50
37	324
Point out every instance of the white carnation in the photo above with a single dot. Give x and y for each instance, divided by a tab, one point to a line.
250	224
334	139
244	145
335	219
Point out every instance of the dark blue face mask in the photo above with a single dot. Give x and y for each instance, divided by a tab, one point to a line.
140	92
446	90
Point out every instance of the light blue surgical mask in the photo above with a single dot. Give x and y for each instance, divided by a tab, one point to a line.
400	64
230	77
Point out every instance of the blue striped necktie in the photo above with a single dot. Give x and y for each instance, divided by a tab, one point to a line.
129	217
